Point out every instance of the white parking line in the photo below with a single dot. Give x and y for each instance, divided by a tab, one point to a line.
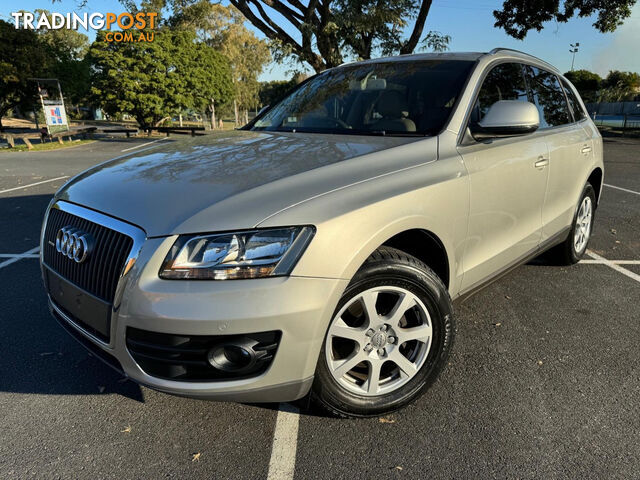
615	266
33	184
19	256
143	144
285	443
617	262
620	188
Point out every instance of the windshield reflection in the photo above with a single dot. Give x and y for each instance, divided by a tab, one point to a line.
404	98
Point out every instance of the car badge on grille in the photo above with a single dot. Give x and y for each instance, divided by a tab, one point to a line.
74	243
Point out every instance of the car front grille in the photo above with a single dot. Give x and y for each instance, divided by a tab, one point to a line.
99	274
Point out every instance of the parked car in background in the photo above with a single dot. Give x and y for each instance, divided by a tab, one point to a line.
318	250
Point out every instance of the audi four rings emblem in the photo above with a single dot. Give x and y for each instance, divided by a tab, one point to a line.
74	243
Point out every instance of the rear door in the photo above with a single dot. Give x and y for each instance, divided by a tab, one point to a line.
570	152
507	183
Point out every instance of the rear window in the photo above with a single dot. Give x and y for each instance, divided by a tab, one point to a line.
574	103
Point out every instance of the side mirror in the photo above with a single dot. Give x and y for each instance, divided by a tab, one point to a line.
507	118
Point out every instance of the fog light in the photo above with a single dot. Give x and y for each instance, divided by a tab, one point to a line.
233	357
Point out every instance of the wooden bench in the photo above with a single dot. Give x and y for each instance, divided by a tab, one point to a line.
128	131
178	130
11	137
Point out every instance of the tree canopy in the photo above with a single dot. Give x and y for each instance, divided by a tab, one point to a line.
620	86
587	83
150	80
67	50
22	57
518	17
274	91
615	87
223	30
328	30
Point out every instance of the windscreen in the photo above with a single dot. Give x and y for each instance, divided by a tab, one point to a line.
387	98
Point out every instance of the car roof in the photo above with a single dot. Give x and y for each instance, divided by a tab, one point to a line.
469	56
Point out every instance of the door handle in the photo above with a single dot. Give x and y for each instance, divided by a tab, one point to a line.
586	149
541	163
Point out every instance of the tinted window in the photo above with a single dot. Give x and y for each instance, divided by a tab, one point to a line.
388	98
574	103
549	97
504	82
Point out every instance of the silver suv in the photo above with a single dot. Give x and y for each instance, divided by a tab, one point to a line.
318	249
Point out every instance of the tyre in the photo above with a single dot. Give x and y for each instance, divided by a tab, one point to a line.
389	338
573	248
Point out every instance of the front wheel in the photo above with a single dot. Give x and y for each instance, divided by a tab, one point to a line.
388	340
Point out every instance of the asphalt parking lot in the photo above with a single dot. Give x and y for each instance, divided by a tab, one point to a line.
544	380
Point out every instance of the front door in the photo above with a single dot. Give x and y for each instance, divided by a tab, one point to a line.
507	183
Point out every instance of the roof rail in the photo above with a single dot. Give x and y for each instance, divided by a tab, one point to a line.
503	49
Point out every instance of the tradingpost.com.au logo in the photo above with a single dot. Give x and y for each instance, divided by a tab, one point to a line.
128	23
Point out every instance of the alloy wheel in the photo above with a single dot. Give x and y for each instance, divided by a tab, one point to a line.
378	340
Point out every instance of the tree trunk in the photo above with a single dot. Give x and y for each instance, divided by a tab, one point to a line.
161	121
235	112
246	116
410	45
180	118
213	115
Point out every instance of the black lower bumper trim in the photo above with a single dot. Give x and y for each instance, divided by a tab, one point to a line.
88	344
185	357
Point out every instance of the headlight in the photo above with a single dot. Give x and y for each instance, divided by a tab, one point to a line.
228	256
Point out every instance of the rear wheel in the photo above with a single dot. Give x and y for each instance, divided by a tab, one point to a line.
388	340
575	246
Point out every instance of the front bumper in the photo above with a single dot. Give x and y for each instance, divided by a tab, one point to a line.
298	307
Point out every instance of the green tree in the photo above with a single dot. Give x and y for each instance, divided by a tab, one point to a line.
518	17
22	57
331	29
151	80
225	32
67	49
274	91
587	83
620	86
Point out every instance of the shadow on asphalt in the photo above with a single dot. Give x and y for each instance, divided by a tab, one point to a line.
38	356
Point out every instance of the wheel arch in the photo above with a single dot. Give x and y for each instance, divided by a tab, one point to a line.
427	247
595	179
412	236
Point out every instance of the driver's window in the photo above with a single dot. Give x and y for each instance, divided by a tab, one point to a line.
504	82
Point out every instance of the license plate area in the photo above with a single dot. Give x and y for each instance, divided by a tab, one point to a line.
84	309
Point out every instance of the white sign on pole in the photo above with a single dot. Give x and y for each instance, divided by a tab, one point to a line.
56	116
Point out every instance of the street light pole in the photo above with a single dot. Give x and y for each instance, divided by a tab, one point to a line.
574	49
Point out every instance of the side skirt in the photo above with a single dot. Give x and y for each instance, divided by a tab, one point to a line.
557	239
